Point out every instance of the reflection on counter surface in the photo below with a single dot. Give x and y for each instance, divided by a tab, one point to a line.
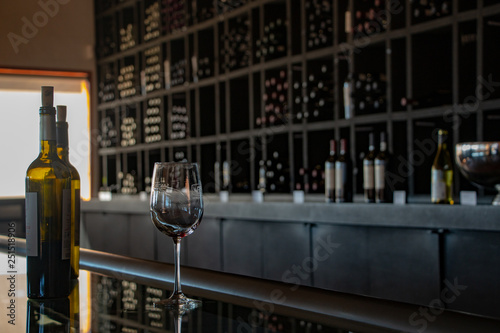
117	294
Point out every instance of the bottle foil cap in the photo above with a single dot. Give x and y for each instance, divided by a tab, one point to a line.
47	96
61	113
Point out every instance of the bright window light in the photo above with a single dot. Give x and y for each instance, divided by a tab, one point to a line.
19	127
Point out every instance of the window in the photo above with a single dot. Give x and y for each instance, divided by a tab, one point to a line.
20	100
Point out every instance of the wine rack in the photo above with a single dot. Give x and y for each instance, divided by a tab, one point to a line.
246	81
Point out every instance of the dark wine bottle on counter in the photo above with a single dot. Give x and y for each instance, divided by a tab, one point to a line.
48	213
330	173
380	171
343	175
368	172
63	153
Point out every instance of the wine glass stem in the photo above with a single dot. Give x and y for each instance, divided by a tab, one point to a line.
177	263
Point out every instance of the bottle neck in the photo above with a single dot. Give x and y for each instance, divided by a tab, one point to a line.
48	145
333	150
62	141
343	147
442	141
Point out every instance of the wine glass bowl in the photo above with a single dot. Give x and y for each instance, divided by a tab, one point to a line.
176	208
479	162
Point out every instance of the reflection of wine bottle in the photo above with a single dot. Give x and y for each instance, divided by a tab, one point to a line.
48	213
343	177
63	153
48	315
442	173
330	173
368	175
380	170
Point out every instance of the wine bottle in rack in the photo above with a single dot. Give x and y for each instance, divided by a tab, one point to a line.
175	15
126	81
319	32
127	40
426	10
179	122
48	213
275	99
368	172
343	175
152	121
381	163
63	153
128	130
152	79
320	91
330	173
107	85
442	173
369	17
152	21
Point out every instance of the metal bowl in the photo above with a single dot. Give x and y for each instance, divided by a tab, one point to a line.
479	162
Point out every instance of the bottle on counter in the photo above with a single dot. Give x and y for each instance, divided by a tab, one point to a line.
442	173
368	172
226	176
330	173
48	213
63	153
343	175
381	162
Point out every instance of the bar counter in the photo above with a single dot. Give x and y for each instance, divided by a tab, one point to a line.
115	294
403	253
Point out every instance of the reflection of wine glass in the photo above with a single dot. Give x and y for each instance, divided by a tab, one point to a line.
176	209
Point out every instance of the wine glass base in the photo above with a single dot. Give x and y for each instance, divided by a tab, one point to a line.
178	302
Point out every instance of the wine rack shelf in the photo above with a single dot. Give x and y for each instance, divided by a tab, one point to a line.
270	82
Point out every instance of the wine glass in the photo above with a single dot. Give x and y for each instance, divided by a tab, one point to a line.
176	208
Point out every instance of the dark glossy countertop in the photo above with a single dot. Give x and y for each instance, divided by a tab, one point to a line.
116	294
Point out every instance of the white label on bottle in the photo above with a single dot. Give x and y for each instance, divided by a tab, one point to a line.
379	175
368	182
329	176
66	224
77	217
438	185
340	174
47	127
32	224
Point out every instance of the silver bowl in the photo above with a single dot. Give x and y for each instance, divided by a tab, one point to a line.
479	162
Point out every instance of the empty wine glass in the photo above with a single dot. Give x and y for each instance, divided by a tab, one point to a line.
176	208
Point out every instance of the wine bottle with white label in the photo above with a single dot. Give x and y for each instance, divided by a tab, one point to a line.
368	172
380	171
63	153
330	173
442	173
48	213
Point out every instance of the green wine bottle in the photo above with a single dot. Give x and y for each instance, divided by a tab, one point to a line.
48	213
63	153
